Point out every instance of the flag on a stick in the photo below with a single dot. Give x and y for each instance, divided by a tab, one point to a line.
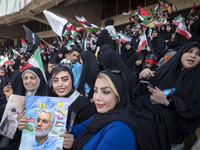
124	37
34	39
15	52
24	44
181	29
4	61
177	20
192	10
143	14
128	13
35	61
142	43
57	23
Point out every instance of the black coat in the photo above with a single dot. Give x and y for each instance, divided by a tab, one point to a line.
182	116
104	38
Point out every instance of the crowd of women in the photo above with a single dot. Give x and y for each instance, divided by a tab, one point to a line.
126	107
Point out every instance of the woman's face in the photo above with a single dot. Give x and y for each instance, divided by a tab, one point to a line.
62	83
168	28
154	34
104	98
191	58
140	32
30	81
128	46
138	62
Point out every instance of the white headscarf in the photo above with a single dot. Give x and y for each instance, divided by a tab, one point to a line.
36	87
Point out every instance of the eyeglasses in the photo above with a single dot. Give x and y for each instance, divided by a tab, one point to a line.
63	65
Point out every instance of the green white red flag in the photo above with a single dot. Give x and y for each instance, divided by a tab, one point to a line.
124	37
79	29
84	23
4	61
181	29
35	61
15	52
128	13
143	14
70	30
192	10
142	43
177	20
164	4
24	44
136	28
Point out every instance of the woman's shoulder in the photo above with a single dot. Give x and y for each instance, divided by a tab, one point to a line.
119	125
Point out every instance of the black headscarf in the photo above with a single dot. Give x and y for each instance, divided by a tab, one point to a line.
55	57
127	54
89	71
186	99
111	60
167	35
120	112
158	45
7	78
56	70
17	82
137	69
109	21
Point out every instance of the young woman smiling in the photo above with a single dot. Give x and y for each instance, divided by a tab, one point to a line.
115	122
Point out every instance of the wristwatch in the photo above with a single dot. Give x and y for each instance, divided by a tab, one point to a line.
166	102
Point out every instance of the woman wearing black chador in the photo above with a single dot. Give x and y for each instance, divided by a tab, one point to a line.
178	115
108	35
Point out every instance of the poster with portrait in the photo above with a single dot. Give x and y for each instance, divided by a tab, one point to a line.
47	118
14	106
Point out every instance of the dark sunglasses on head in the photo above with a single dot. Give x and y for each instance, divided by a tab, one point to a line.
115	71
63	65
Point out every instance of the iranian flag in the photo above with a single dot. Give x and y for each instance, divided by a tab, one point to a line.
158	23
181	29
143	14
15	52
4	61
165	21
143	42
192	10
143	25
174	8
124	37
128	13
177	20
79	29
35	61
24	44
136	28
164	4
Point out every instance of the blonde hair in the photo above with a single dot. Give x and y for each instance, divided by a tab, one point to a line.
107	79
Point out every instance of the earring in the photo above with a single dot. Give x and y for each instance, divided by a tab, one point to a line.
91	100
